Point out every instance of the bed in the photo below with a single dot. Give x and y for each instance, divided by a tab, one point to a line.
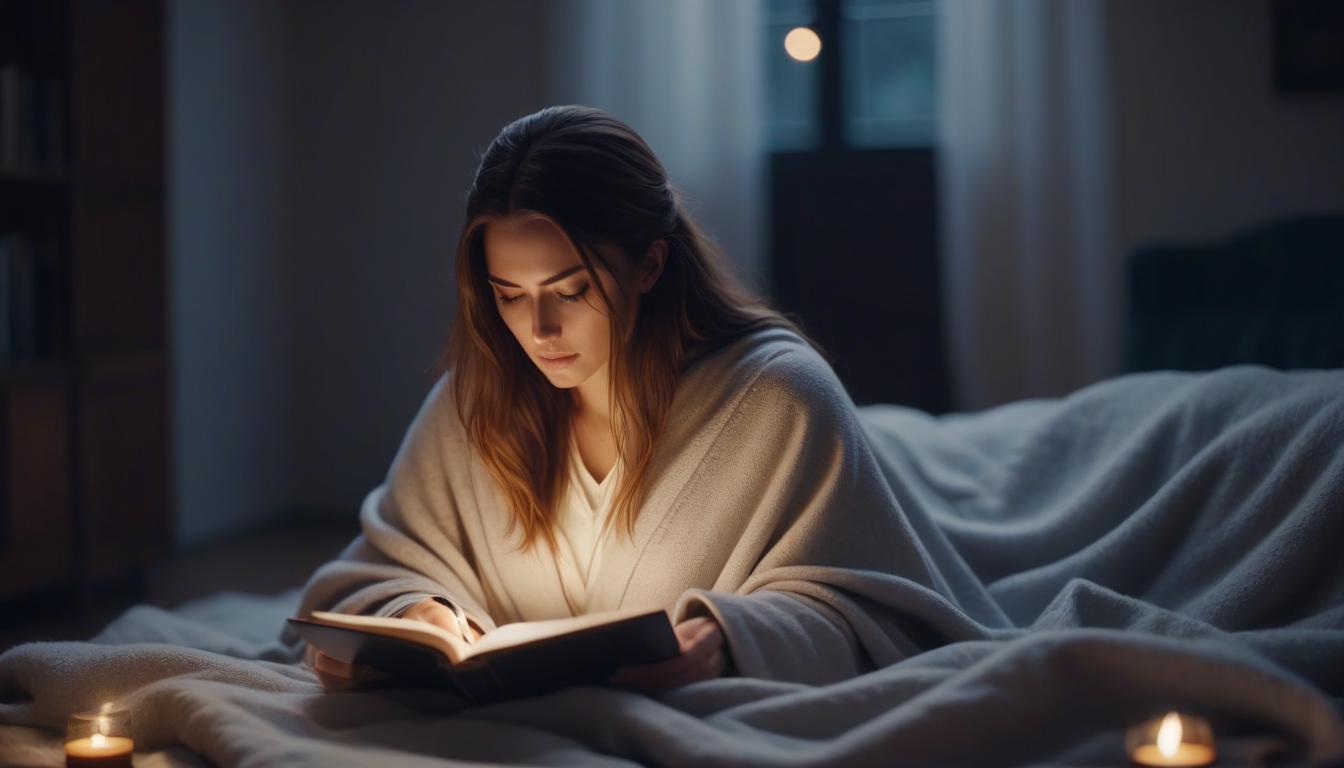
1159	541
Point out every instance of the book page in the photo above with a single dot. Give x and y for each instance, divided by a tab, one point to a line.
523	632
422	632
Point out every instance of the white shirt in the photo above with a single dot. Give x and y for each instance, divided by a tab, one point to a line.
586	506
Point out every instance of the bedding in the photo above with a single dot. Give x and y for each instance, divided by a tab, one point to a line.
1156	541
765	509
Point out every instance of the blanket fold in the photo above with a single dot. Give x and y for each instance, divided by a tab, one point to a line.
1006	587
769	512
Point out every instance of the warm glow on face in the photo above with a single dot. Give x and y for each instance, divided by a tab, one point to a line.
802	44
1169	735
555	319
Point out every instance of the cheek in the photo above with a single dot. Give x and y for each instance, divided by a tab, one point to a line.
577	324
516	320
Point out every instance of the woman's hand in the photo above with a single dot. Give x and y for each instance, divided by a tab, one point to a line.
703	657
336	675
436	613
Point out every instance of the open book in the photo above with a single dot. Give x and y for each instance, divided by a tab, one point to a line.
526	658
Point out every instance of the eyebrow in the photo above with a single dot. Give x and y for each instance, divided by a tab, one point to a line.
547	281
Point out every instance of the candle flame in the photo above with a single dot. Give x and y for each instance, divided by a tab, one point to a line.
102	726
1169	735
98	740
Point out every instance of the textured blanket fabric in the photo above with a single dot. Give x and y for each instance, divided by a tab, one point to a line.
1004	587
767	510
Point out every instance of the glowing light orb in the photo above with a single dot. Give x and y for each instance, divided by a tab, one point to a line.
802	44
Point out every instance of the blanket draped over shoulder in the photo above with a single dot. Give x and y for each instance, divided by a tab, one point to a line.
768	511
895	588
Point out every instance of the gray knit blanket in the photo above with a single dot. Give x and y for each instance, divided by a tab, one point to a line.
1155	542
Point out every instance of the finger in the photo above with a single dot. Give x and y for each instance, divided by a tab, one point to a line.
698	646
331	683
689	631
444	617
696	656
699	634
664	678
341	670
332	666
712	633
436	613
698	653
700	639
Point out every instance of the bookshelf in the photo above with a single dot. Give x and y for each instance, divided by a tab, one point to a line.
84	496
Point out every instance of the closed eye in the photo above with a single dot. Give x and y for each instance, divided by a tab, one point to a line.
565	297
572	297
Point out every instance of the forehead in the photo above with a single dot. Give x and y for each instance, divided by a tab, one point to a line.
521	245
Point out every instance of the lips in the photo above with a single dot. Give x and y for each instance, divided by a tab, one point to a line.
557	363
556	357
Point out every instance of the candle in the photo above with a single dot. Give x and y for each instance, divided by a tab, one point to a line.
99	751
98	740
1174	741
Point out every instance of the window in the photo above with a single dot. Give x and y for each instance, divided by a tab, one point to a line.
792	84
881	57
888	72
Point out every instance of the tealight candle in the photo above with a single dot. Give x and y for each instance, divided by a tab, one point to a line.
98	740
1175	740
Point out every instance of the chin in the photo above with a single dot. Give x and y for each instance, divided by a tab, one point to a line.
561	379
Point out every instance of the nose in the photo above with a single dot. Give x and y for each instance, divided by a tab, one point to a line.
545	321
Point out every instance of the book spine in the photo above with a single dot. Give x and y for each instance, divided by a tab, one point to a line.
23	301
7	247
10	119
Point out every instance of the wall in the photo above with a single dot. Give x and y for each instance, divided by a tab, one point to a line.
390	112
319	158
1205	147
226	94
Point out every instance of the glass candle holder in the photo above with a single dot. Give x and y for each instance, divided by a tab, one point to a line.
1175	739
98	739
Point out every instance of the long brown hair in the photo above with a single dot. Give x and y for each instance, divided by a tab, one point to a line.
594	177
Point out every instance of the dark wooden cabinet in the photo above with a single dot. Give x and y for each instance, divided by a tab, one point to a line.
85	396
854	242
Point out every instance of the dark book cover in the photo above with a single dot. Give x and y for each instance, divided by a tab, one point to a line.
582	657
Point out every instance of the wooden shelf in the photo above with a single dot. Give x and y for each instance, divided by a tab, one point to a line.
84	432
34	371
39	178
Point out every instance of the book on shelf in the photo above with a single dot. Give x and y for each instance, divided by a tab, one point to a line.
527	658
32	120
29	297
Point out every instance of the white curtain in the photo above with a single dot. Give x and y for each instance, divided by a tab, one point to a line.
688	76
1033	285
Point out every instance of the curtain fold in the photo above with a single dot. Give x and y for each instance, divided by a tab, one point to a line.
688	76
1032	279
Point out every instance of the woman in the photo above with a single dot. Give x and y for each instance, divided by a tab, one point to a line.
621	424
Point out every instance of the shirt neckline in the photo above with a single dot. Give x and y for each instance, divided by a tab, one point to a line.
582	468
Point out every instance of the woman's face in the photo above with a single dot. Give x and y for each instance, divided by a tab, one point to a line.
546	298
